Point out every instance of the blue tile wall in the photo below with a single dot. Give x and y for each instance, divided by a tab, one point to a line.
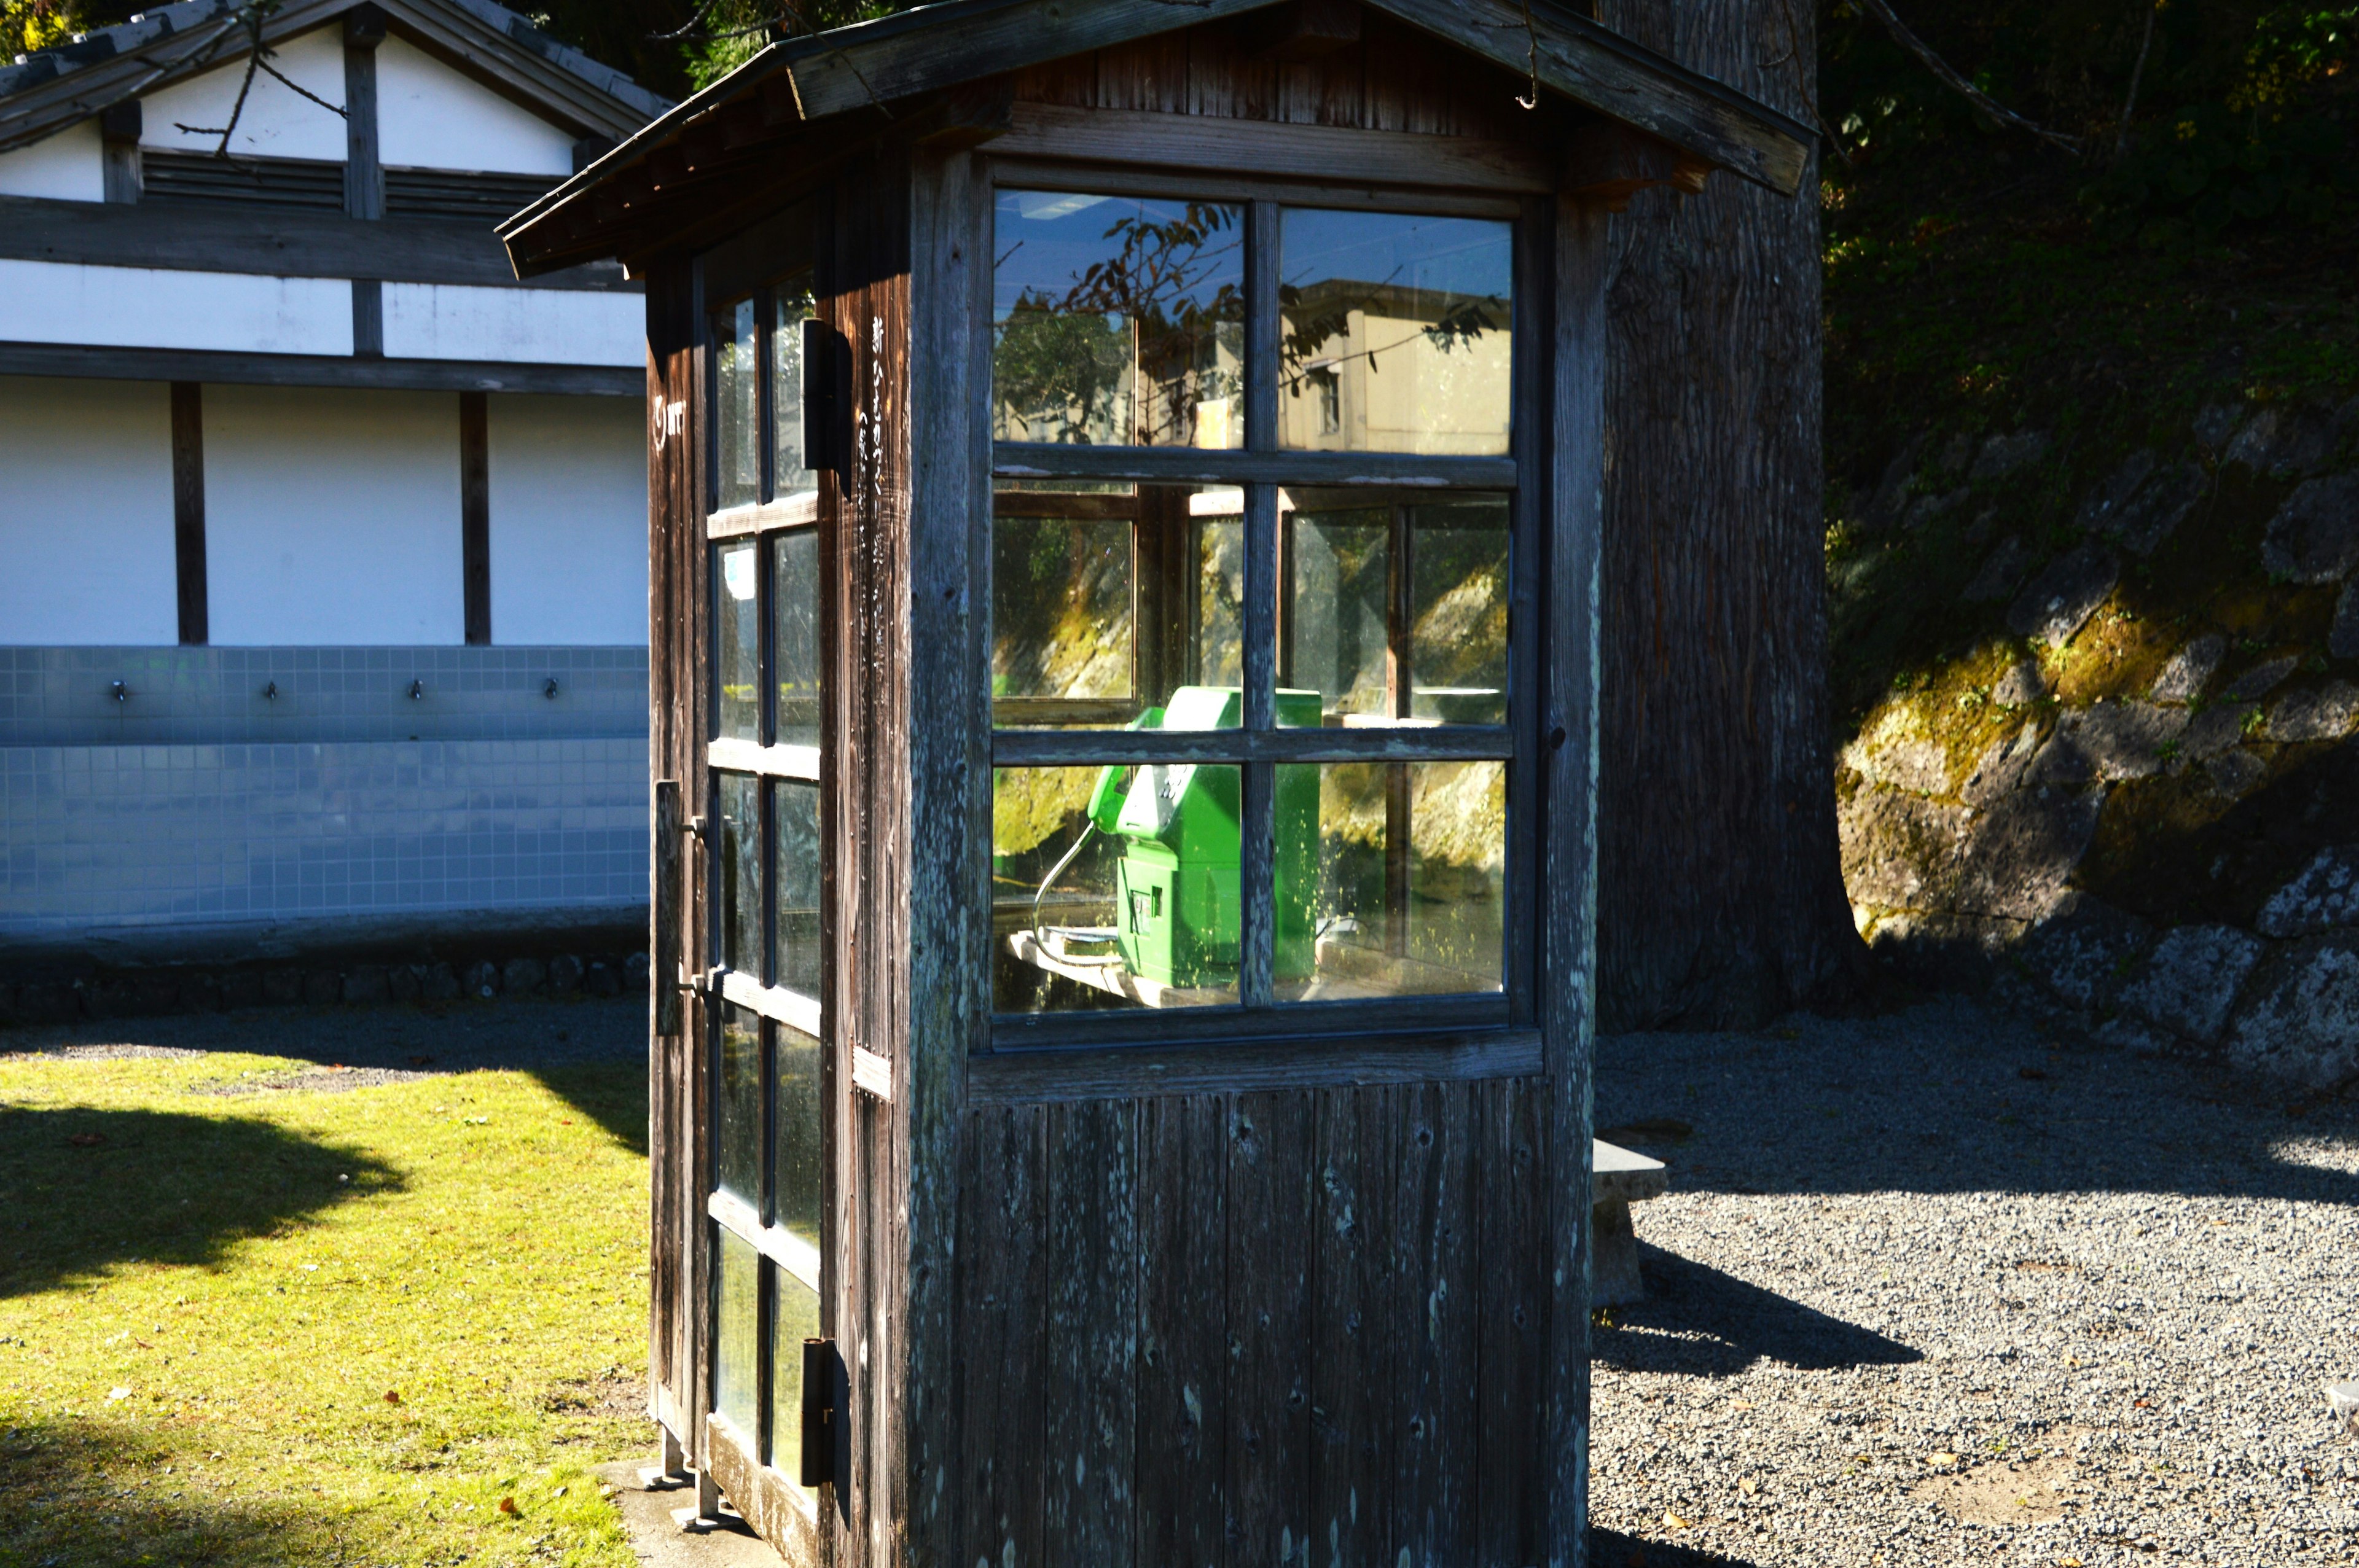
194	801
65	696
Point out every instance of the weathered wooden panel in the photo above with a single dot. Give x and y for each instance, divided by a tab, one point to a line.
1091	1241
1002	1297
1354	1354
950	823
1269	1326
1151	73
865	519
1182	1348
1509	1220
1433	1378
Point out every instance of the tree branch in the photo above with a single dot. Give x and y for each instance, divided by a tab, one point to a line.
1975	95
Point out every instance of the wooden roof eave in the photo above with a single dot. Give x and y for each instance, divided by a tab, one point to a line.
878	66
452	33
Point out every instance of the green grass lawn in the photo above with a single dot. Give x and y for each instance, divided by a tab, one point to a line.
299	1326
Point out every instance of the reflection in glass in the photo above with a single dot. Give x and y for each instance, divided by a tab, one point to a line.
796	1320
736	1371
736	644
1458	610
1394	333
796	844
737	1130
794	606
1394	607
1410	891
1118	320
736	405
790	473
796	1132
1117	887
1333	638
741	873
1106	602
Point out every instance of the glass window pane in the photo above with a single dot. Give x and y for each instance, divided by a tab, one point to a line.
794	650
790	474
1334	634
737	480
796	1319
1106	604
796	1132
1118	320
1114	887
741	873
737	1336
736	643
1394	333
737	1119
796	841
1458	610
1407	892
1376	649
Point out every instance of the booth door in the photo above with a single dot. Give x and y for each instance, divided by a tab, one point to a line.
768	1038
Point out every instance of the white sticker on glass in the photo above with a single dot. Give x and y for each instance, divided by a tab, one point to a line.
738	573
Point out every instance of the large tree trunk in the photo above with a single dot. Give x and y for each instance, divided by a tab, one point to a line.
1720	888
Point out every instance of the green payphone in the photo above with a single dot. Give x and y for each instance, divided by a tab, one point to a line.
1177	892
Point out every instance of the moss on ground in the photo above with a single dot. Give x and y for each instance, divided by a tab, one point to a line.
317	1327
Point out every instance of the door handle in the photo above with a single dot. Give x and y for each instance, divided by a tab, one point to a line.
663	938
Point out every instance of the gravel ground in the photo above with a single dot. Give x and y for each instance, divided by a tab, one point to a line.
1935	1288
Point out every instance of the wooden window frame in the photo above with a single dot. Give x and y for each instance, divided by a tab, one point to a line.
745	1459
1029	1055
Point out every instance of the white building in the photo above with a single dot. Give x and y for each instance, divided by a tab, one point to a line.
322	562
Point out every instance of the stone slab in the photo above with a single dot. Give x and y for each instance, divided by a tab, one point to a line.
2188	984
2325	894
1624	1174
2299	1019
2057	603
2314	537
658	1541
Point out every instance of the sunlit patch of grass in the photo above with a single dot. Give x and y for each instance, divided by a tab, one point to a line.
312	1327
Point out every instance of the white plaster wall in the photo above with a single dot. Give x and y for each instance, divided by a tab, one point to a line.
528	326
429	116
130	307
332	517
67	166
569	520
86	513
276	121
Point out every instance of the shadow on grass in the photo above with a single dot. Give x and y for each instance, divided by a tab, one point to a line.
612	1094
1702	1322
77	1492
83	1189
1611	1549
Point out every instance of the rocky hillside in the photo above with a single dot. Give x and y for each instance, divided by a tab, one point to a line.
2093	527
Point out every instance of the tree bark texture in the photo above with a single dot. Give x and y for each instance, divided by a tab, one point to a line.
1721	899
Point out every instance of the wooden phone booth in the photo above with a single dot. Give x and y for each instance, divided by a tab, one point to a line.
1124	550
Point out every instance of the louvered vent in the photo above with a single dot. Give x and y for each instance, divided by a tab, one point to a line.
469	196
264	181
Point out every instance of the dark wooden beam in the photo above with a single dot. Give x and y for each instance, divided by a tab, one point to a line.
1330	154
364	170
1601	70
476	512
319	370
119	129
368	318
189	509
272	244
1609	163
1302	30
